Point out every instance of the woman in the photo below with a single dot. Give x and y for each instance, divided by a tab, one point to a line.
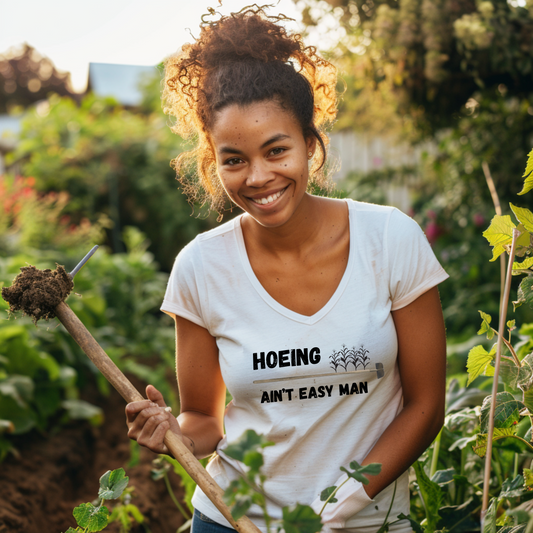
321	316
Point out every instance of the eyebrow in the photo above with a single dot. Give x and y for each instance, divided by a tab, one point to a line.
272	140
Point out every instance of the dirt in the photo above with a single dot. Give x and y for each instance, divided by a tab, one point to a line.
54	473
38	292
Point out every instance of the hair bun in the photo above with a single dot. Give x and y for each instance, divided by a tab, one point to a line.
249	34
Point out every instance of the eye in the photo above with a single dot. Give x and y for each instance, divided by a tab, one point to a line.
277	151
233	161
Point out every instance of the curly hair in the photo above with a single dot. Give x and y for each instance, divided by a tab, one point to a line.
244	58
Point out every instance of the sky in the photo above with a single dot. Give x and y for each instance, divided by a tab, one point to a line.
132	32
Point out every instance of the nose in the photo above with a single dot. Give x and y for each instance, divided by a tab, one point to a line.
258	175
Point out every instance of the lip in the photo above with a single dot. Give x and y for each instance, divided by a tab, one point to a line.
266	195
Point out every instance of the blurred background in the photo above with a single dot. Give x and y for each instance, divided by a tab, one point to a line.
436	101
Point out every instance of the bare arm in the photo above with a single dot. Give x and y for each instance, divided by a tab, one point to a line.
422	365
202	397
202	389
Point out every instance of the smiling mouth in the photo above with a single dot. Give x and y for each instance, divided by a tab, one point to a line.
268	199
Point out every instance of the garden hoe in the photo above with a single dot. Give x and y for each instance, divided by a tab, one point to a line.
22	296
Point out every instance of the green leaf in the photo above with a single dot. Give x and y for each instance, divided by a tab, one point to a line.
528	174
459	518
326	493
414	524
112	484
528	477
249	441
518	268
82	410
524	216
301	519
134	511
498	250
241	504
506	411
432	495
525	292
478	363
528	399
443	477
20	388
500	231
511	325
480	447
485	325
512	488
254	461
517	376
91	517
489	523
358	472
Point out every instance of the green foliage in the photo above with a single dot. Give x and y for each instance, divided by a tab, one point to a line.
412	64
112	484
479	362
301	519
42	370
506	412
160	471
431	495
111	163
528	175
358	472
90	517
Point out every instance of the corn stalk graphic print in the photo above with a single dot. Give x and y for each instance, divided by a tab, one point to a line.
349	356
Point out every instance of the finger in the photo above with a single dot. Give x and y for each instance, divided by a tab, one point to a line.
134	408
153	434
155	396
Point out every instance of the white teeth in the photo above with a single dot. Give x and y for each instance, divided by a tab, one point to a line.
268	199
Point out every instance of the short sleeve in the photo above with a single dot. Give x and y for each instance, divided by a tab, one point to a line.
184	296
413	267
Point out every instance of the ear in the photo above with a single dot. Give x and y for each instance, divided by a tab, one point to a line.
310	143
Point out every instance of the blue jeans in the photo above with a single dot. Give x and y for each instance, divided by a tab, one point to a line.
203	524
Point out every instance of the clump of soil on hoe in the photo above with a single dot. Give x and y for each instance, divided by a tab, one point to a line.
38	292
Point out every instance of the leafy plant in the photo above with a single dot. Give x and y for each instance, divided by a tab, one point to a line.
95	517
502	412
248	490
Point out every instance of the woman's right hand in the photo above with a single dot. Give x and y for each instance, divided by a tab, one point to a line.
149	420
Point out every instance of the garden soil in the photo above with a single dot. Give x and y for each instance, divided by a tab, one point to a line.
38	292
54	473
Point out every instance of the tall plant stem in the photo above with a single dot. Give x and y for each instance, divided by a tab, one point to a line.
435	456
490	433
181	509
498	209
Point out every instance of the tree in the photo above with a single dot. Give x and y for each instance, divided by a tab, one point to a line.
27	77
419	61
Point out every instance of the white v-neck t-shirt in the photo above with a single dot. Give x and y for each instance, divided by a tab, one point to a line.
324	387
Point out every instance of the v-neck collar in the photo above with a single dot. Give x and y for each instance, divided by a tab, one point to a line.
274	304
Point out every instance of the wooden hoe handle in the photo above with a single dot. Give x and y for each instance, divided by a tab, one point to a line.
121	383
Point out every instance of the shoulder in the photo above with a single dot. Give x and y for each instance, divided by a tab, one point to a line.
211	241
383	216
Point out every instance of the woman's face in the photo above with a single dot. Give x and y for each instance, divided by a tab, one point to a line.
262	160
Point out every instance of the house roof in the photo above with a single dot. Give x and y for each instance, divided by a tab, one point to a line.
119	81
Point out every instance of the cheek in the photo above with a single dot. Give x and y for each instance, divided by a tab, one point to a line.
230	185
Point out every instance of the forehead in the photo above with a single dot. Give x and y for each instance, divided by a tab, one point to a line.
256	121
